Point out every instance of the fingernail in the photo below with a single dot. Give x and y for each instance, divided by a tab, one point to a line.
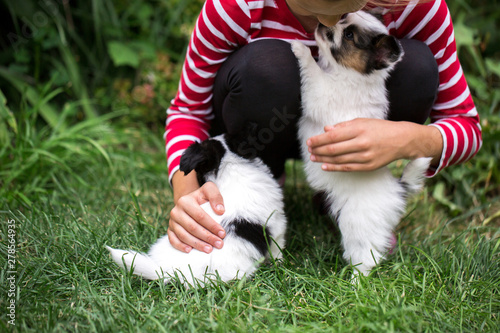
207	249
188	249
221	234
323	167
218	244
313	158
308	142
220	207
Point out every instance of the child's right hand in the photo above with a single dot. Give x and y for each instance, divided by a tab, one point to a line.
189	225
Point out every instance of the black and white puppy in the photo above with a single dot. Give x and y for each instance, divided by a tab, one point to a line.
254	219
348	82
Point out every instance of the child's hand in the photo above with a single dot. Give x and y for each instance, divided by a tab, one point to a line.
368	144
191	227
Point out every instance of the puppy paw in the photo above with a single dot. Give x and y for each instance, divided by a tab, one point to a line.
300	50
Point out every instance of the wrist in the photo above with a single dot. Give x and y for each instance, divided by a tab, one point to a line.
422	141
184	184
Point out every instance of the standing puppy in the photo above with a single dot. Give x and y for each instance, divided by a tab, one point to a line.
348	82
254	219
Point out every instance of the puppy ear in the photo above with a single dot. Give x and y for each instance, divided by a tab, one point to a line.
192	158
388	51
202	157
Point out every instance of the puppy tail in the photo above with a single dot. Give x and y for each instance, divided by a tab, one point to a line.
414	174
141	264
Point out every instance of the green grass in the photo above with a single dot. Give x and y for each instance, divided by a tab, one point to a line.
445	275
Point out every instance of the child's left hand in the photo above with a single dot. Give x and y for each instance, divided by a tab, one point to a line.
368	144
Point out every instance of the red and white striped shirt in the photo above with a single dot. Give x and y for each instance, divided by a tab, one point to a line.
225	25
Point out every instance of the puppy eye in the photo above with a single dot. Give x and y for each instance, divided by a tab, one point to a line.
329	35
348	34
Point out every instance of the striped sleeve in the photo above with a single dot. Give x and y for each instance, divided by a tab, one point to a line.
454	112
220	28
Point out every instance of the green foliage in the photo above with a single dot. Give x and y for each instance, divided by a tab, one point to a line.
96	57
89	49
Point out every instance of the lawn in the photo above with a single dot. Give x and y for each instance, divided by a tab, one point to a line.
83	166
444	276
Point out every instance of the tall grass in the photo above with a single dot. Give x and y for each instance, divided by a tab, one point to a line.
36	160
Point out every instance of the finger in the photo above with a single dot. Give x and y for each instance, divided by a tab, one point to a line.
176	243
185	237
350	167
196	225
336	149
348	158
343	124
211	193
335	135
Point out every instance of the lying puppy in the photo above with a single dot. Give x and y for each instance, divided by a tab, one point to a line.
254	219
348	82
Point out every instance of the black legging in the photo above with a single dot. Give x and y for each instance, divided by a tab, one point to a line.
260	83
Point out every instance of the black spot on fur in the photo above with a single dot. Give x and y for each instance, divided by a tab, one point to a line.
252	232
204	158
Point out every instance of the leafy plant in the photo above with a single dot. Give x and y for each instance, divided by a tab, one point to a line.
84	49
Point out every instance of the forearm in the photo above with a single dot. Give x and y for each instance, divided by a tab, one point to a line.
421	141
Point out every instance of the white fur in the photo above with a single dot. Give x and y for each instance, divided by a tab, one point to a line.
249	192
368	205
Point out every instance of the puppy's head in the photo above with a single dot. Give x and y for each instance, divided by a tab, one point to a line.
359	41
207	157
203	157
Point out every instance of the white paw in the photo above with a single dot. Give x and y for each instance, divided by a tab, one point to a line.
300	50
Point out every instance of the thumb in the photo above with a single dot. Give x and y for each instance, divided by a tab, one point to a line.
212	194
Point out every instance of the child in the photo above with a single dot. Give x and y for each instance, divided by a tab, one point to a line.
239	68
